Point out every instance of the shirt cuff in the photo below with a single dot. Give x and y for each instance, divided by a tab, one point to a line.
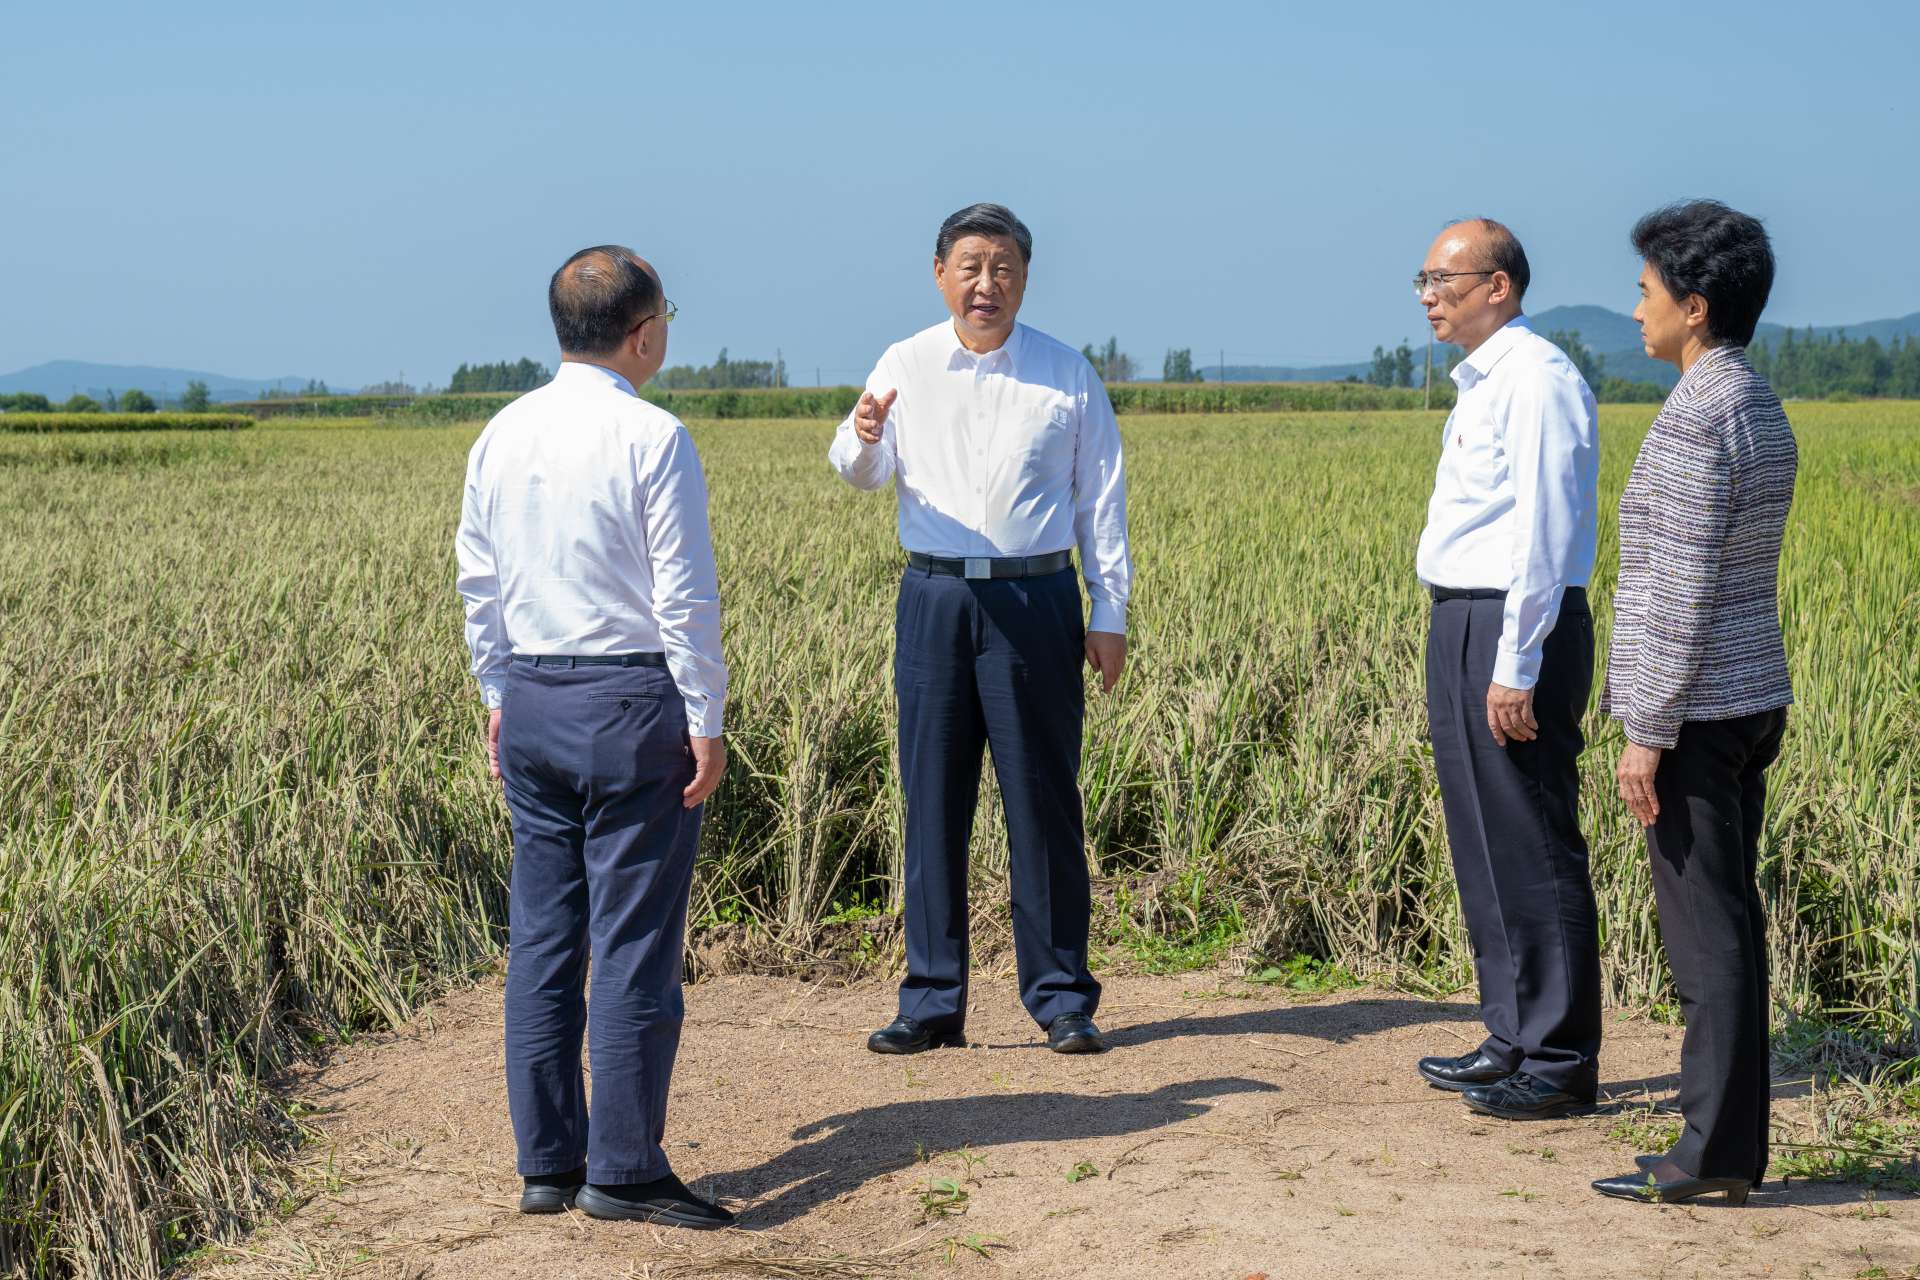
490	691
1108	617
1516	670
704	719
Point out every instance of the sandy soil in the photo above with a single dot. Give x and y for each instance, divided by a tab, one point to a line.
1233	1131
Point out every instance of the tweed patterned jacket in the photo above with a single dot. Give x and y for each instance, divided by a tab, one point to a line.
1696	632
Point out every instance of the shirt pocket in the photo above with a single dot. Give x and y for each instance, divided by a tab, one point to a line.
1049	430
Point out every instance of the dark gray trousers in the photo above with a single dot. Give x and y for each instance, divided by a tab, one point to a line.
1712	787
595	759
1518	855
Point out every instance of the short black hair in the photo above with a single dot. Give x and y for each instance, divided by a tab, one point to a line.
1503	253
983	220
1703	247
598	296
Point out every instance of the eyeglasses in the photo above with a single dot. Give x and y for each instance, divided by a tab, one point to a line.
1434	279
665	316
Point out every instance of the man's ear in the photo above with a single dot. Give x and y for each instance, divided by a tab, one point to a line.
1695	311
1499	288
939	273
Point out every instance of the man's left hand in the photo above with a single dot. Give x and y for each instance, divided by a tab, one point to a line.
1510	714
493	743
1638	765
1107	654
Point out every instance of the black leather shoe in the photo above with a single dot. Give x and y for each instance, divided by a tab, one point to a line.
550	1192
1075	1033
904	1035
1522	1097
1648	1188
664	1200
1463	1072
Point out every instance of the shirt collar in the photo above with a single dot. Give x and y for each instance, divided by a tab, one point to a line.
1489	353
1712	360
585	374
1005	357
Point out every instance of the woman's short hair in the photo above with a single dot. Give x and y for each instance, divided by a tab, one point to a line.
1721	254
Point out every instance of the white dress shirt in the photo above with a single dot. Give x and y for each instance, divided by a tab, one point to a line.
1516	498
584	532
1010	453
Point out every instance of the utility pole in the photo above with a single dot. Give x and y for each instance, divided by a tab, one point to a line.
1429	396
1223	366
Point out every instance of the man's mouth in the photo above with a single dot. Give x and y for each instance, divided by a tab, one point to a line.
985	308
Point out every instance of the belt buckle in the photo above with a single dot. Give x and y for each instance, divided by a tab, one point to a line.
978	567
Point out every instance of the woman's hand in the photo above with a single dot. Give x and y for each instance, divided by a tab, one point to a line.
1638	764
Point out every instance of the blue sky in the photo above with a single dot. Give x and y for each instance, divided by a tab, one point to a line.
353	191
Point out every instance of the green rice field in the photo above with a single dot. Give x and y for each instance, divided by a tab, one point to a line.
244	807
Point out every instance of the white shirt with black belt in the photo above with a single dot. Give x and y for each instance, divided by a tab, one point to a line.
583	532
1014	452
1516	500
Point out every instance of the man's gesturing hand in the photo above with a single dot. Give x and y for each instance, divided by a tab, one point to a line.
493	742
709	762
870	415
1107	654
1510	714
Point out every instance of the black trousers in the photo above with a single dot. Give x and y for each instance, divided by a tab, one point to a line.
1712	787
978	663
1518	855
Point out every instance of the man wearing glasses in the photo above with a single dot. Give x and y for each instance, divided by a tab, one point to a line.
593	614
1005	457
1506	554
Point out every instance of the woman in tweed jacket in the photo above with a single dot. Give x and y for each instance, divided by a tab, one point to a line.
1697	673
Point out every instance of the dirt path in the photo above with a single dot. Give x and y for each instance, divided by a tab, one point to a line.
1232	1131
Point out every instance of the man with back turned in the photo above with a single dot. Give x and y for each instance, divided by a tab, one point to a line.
593	613
1506	555
1005	457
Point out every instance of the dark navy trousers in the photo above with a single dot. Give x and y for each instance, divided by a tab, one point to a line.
1518	855
595	759
982	663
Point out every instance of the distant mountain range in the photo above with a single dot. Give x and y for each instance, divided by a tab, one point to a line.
59	379
1613	337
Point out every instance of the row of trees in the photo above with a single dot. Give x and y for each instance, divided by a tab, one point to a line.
515	375
194	400
1836	365
724	374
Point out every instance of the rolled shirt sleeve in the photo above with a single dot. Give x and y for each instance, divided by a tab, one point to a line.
1552	456
1689	494
1100	512
686	583
863	465
479	585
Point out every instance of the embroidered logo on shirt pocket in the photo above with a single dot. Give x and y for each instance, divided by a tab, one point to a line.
1060	416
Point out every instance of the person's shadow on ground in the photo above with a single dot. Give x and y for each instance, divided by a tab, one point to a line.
1335	1023
844	1151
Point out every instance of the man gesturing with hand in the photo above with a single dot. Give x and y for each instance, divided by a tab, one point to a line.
1005	459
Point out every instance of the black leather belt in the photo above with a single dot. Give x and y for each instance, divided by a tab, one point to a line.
594	660
992	566
1572	595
